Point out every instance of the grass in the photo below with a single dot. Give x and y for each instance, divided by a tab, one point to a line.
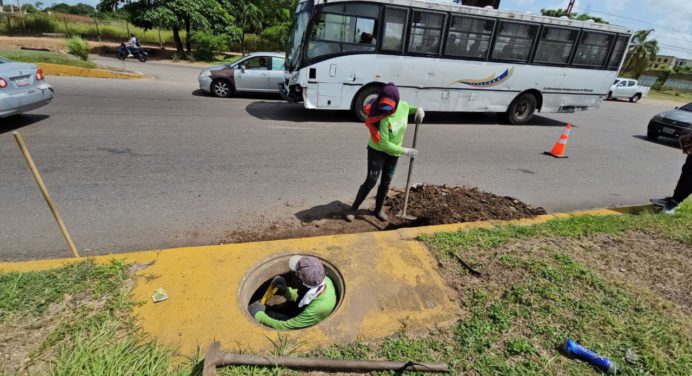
45	57
672	95
541	284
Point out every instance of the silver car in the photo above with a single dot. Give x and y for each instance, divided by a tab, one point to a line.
259	72
23	87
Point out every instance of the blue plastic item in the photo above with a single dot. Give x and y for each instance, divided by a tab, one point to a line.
574	349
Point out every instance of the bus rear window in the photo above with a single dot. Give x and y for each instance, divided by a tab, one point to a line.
593	49
514	41
618	52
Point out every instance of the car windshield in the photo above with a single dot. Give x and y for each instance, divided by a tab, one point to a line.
687	107
3	60
616	82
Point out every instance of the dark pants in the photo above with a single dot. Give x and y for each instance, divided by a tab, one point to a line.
684	187
378	163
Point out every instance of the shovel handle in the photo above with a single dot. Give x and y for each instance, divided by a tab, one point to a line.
410	168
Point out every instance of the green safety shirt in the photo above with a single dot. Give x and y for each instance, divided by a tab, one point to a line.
393	129
318	310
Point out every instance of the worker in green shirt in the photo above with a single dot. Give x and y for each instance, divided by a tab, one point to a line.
314	305
387	120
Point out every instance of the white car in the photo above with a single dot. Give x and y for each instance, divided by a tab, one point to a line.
627	88
259	72
23	88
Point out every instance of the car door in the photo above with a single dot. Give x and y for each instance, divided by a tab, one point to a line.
631	87
276	74
252	74
620	89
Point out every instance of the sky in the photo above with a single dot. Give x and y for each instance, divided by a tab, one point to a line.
671	19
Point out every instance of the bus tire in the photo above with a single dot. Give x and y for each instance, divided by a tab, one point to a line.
359	103
635	98
521	110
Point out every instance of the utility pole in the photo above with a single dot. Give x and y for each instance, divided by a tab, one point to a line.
570	6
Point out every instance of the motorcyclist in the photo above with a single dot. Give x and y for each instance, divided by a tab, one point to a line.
133	44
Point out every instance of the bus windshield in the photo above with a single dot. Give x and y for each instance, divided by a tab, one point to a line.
303	13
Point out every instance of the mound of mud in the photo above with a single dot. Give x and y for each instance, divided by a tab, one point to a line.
440	204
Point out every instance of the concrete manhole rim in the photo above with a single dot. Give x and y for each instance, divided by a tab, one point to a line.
282	259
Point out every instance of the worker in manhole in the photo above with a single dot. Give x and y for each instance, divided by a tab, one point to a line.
308	303
387	120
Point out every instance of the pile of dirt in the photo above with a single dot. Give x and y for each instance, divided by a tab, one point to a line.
432	204
440	204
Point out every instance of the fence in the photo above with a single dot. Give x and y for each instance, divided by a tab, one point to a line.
40	24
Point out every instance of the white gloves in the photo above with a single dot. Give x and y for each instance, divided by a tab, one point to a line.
411	153
420	114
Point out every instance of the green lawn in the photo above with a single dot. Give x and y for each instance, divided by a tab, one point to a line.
617	284
672	95
45	57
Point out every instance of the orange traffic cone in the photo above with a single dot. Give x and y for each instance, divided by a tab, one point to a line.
558	150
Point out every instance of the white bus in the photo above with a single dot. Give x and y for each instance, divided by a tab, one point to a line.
447	57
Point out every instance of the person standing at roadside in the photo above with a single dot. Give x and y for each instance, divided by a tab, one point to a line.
684	187
387	121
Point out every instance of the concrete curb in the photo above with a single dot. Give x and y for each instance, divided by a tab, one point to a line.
68	70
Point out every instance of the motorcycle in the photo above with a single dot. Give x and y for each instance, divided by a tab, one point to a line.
138	53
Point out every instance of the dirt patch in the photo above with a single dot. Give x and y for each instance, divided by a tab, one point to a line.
433	204
641	260
440	204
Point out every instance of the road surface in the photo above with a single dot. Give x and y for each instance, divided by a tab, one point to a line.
153	163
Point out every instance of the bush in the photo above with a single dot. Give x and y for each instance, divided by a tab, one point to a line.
78	47
207	44
276	36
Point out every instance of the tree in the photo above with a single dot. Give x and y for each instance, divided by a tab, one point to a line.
38	5
29	9
573	16
640	53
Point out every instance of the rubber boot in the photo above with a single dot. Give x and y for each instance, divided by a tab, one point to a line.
360	197
382	191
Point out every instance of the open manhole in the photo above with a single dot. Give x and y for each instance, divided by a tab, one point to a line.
256	282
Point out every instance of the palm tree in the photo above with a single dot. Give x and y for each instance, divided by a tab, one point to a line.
640	53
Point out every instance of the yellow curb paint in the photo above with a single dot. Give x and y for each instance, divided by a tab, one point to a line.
68	70
390	279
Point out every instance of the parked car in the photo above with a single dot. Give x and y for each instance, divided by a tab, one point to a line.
673	123
258	72
23	87
627	88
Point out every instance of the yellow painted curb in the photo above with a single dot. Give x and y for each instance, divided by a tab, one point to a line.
391	284
68	70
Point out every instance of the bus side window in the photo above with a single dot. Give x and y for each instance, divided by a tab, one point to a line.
469	37
426	32
593	49
555	45
618	52
394	24
514	41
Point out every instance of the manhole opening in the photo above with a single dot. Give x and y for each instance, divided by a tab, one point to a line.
258	279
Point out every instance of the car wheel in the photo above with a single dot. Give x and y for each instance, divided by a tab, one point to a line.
635	98
521	110
221	88
651	134
610	96
364	97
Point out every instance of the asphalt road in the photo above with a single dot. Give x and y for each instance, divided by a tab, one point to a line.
152	163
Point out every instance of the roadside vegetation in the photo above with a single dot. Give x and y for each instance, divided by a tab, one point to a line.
618	284
671	95
27	56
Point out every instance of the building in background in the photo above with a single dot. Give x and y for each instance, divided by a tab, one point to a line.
663	61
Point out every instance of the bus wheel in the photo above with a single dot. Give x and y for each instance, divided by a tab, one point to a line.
521	110
364	97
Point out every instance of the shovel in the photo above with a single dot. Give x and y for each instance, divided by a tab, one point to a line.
403	214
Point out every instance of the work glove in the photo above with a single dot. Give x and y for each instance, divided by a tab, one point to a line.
256	307
281	286
420	114
411	153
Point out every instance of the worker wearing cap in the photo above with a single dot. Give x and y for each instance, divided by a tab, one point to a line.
316	304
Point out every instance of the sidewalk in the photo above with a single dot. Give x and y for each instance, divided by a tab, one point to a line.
391	283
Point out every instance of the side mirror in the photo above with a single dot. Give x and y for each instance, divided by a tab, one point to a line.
242	68
676	107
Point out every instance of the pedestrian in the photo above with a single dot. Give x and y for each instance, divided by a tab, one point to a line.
387	120
315	297
684	186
